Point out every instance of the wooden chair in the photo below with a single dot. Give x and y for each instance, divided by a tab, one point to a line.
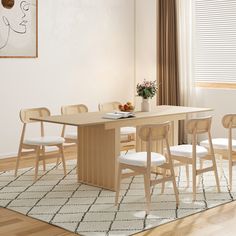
109	106
38	144
188	154
127	133
225	147
141	163
71	137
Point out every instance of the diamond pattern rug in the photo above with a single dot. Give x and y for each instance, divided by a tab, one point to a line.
88	210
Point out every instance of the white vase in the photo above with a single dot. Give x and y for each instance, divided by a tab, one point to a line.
145	105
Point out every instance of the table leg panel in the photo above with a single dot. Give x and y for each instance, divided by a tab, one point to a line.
97	156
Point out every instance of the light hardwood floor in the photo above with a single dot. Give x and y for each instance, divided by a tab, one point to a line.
217	221
15	224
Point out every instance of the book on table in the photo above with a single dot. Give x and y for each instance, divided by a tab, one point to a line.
118	115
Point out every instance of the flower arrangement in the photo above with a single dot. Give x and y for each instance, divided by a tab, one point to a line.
147	89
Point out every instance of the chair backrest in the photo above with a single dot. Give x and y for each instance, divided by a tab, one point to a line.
73	109
154	132
26	114
229	121
110	106
199	125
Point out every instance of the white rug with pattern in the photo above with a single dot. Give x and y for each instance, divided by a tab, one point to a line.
88	210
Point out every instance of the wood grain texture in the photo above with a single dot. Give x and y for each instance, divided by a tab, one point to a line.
94	118
99	139
97	159
16	224
216	221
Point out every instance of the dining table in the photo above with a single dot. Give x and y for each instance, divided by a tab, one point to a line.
98	146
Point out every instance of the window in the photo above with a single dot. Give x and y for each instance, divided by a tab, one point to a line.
215	43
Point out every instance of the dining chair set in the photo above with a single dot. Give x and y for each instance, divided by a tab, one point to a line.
39	144
142	162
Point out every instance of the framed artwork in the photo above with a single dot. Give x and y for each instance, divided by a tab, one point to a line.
18	28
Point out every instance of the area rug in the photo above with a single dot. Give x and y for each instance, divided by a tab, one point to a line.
88	210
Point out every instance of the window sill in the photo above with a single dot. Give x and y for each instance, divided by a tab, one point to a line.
216	85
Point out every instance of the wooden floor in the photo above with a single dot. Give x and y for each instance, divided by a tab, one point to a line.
16	224
219	221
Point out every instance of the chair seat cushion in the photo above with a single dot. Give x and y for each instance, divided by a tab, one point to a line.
71	135
185	150
140	159
45	141
127	130
219	143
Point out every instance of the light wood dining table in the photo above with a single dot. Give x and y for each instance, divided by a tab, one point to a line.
99	139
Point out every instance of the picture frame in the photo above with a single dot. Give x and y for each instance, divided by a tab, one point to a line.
18	28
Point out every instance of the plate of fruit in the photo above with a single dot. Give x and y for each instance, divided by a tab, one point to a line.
129	107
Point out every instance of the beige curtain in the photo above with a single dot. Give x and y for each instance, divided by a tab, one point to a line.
167	54
184	10
168	58
185	46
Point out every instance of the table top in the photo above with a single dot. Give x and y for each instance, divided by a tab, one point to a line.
95	118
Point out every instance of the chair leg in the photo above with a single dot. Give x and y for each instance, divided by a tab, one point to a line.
187	174
216	173
230	175
172	172
44	162
163	184
194	182
176	191
220	157
57	164
118	182
147	191
199	176
37	163
177	170
17	162
44	165
63	158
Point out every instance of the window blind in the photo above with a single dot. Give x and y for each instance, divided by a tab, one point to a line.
215	41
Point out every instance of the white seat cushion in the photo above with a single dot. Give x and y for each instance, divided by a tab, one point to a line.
140	159
185	150
219	143
127	130
45	141
71	135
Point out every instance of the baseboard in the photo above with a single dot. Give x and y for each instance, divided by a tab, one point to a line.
12	155
7	155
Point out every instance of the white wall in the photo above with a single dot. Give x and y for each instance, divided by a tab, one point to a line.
145	43
86	55
222	101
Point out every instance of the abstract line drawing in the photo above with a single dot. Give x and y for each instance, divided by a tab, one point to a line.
18	28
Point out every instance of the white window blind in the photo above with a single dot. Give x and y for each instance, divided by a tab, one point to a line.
215	41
